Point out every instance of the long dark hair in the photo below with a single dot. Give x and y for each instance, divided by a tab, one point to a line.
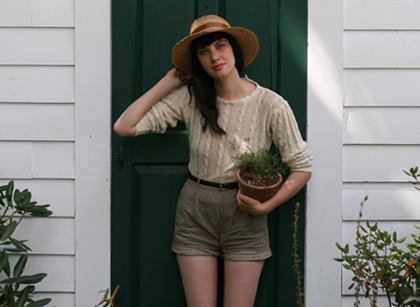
203	86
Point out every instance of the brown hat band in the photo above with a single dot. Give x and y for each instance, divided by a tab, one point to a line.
210	25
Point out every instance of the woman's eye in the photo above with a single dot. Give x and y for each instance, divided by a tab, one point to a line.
201	52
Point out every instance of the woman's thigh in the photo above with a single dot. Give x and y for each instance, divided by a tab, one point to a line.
199	277
241	282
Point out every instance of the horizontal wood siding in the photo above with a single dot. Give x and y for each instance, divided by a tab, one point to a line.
386	201
378	163
381	15
381	87
36	122
60	299
381	49
49	160
60	270
37	13
40	83
381	112
37	132
59	194
378	125
37	46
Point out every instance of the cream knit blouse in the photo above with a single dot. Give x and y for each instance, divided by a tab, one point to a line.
255	121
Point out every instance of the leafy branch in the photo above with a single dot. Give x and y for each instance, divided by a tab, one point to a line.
108	301
296	265
14	206
414	172
381	262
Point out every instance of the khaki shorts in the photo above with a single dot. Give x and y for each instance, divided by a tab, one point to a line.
208	222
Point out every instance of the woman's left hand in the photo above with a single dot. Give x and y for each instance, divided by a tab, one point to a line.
250	205
290	187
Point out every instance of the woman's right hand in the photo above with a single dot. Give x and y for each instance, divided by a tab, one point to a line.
184	77
177	77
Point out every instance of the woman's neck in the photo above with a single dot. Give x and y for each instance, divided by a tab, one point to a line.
233	87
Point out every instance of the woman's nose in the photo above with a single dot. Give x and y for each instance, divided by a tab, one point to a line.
214	55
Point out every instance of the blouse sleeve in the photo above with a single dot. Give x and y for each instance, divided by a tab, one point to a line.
286	136
166	112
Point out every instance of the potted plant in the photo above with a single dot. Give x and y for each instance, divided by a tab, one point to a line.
261	173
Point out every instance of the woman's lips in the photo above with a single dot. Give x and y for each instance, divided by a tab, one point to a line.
218	66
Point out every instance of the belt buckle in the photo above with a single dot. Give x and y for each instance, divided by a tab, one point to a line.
221	186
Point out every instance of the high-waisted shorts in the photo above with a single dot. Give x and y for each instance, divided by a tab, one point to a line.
209	222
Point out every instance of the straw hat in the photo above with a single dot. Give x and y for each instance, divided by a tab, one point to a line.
247	40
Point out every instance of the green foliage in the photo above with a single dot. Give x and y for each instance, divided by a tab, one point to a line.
414	172
16	290
296	260
108	301
382	261
263	162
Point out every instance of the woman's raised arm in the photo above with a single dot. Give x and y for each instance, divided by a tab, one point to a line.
126	123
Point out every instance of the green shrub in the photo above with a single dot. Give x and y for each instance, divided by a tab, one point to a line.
382	262
16	290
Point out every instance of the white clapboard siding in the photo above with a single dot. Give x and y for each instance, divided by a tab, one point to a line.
48	235
381	49
36	46
377	125
381	69
387	201
37	13
57	299
381	14
60	270
24	160
59	194
37	84
382	163
36	122
386	87
41	58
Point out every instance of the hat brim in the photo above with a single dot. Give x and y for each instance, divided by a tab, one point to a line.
246	39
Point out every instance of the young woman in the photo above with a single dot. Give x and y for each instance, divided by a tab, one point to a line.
219	108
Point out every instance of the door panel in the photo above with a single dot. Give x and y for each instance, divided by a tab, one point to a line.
158	282
149	171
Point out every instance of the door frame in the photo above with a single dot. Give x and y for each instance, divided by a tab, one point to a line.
292	23
325	139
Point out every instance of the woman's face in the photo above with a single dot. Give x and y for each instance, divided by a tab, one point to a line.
217	59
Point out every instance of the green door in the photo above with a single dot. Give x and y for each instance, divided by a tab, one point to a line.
149	171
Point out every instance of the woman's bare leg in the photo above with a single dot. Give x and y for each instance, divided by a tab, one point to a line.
241	282
199	277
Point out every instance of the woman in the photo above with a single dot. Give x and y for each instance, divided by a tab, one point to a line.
219	108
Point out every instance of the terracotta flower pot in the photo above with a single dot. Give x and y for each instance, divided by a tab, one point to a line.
260	193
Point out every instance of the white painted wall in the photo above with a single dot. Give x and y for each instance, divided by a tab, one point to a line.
364	105
55	138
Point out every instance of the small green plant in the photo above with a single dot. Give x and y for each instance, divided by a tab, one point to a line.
414	172
263	163
14	206
296	265
108	301
382	262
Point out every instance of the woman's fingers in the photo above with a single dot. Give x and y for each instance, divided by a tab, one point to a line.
184	77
